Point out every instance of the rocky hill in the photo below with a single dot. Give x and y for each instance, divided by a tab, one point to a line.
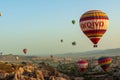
94	53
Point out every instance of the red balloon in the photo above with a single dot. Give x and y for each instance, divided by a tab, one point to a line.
25	51
82	64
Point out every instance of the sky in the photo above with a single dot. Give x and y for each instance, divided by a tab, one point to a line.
39	25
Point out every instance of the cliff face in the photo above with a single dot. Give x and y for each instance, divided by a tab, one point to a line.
29	72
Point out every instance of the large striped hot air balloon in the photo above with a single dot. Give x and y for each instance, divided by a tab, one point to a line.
104	62
82	65
94	24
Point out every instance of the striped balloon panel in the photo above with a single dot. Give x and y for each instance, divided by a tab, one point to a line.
82	64
104	61
91	15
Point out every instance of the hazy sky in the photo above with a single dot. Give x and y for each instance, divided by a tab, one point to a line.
39	25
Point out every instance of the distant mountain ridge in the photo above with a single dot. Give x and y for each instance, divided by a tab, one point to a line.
87	54
93	53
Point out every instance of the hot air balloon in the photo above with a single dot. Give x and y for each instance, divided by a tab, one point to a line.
51	56
17	58
104	62
73	21
0	14
25	51
94	24
73	43
82	64
61	40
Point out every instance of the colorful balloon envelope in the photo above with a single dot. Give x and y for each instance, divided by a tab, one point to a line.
105	62
82	65
25	51
94	24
